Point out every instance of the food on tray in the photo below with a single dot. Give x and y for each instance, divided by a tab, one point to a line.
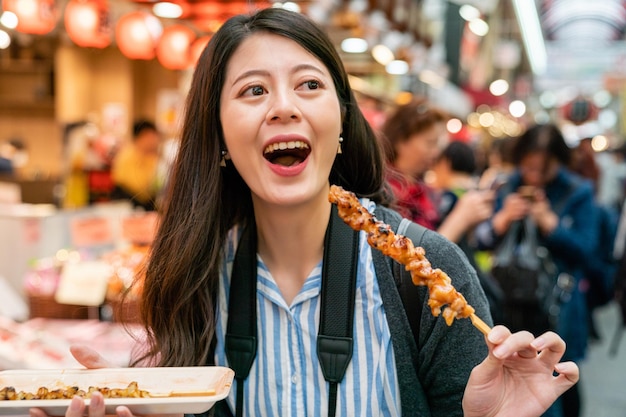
43	393
155	390
400	248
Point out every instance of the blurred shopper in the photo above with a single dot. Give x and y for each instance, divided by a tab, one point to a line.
455	181
602	265
559	203
135	167
612	184
583	162
411	138
499	164
85	159
13	155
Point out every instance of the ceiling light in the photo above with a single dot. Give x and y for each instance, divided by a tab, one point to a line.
397	67
382	54
478	27
517	108
599	143
8	20
486	119
499	87
607	118
548	99
602	98
528	21
5	40
354	45
167	10
469	12
291	6
454	125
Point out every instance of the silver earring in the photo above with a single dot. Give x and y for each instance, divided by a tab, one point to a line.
339	147
224	158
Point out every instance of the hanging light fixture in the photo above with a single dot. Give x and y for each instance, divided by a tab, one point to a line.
137	35
87	23
38	17
174	48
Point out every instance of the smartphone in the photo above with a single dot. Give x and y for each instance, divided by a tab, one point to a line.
527	191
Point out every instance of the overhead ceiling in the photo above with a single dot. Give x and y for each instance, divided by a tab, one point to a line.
584	41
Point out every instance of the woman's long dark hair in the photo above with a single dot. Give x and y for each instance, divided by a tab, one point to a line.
205	200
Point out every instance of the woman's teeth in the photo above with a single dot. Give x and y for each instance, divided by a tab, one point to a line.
294	144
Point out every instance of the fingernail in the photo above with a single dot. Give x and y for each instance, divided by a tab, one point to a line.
96	401
539	343
499	352
76	404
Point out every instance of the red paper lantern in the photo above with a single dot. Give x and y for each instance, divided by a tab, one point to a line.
173	50
37	17
197	47
87	23
579	111
137	35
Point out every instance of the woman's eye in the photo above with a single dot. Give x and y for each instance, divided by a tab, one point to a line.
312	84
256	90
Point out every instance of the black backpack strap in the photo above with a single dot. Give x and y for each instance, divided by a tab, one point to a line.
334	338
335	335
404	303
240	342
409	292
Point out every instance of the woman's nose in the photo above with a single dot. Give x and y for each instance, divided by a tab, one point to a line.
283	107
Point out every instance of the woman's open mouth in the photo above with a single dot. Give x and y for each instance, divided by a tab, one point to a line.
287	154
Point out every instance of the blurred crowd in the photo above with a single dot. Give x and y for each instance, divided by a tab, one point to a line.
537	217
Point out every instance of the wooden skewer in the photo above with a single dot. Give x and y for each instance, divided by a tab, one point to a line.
480	324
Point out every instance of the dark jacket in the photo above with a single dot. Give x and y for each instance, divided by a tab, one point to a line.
570	244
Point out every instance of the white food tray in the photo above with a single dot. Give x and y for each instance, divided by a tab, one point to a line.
213	381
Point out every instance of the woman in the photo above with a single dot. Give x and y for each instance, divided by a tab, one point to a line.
561	205
411	139
278	72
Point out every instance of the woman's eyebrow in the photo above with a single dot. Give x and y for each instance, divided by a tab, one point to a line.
264	73
250	74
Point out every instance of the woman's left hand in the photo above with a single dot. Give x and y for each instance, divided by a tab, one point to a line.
521	376
91	360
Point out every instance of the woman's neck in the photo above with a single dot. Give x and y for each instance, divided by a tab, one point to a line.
291	241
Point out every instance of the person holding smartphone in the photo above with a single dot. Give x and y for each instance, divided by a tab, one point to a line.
560	204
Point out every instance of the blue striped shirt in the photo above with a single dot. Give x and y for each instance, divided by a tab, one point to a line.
285	378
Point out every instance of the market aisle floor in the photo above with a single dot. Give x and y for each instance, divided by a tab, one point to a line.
603	377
